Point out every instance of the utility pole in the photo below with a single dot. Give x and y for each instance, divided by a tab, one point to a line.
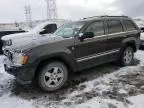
51	9
28	15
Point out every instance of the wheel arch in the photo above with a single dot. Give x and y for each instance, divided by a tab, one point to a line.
64	58
129	42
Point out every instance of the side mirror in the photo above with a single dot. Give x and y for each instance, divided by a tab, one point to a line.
142	29
85	35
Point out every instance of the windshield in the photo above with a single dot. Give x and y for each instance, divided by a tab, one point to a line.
69	29
38	28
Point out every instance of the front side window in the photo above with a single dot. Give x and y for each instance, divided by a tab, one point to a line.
69	29
114	26
97	28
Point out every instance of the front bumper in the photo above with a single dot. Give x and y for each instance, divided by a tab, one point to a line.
23	74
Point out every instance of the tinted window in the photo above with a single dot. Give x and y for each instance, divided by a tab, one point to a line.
97	28
114	26
129	25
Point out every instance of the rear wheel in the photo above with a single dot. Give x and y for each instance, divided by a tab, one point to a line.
53	76
127	56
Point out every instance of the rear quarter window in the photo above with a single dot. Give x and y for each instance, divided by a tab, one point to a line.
129	25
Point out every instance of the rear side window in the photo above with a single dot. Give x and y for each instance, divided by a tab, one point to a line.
97	28
114	26
129	25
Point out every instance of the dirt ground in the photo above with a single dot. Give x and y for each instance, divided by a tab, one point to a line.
108	81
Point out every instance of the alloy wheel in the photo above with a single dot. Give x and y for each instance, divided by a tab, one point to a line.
53	77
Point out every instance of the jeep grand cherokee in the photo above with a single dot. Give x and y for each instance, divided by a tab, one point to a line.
48	60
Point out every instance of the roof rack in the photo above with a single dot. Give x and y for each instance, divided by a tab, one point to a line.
115	16
104	16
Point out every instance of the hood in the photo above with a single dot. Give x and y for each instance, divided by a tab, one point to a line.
24	41
17	35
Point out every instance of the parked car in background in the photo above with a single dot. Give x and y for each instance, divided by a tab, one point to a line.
39	30
142	37
49	60
142	40
7	32
140	24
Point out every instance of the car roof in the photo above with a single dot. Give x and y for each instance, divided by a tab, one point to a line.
95	18
104	17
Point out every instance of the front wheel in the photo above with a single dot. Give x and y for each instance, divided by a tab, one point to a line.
127	56
53	76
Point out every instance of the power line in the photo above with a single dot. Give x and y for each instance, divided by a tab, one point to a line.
28	15
51	9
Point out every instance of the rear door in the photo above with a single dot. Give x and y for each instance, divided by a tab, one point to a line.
88	52
115	33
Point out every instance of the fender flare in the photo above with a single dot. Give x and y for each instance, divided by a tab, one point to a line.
68	59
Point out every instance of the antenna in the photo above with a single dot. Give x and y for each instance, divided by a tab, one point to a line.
51	9
28	15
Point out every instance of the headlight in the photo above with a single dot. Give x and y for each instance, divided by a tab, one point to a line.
7	42
20	59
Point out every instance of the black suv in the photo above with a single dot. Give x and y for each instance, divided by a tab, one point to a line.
49	59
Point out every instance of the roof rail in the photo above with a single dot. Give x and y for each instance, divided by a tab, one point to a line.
104	16
91	17
115	16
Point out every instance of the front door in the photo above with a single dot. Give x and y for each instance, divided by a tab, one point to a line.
90	51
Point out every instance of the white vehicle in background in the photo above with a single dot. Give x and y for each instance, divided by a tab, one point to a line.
142	36
142	40
140	24
43	29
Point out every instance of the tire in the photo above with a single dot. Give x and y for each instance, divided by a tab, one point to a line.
127	56
53	76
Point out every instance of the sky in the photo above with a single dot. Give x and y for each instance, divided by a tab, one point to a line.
14	11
